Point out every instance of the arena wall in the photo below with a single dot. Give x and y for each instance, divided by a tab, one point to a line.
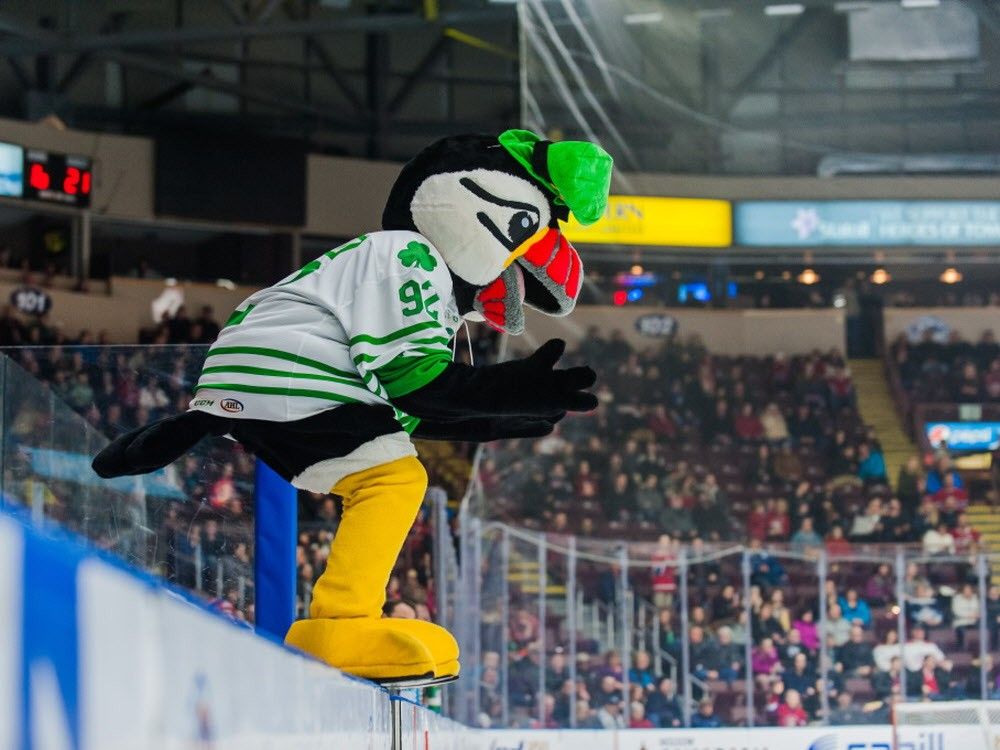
96	657
757	332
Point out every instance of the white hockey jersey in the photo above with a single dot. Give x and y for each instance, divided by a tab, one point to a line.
366	321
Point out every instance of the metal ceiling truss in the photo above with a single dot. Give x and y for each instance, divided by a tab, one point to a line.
370	106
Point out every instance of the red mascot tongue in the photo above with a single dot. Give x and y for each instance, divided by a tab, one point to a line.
556	267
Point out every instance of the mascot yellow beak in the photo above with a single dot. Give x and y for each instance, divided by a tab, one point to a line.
525	246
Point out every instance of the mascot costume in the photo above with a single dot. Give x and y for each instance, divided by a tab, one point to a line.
328	374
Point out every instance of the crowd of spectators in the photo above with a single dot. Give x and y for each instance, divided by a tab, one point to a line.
862	671
719	448
954	371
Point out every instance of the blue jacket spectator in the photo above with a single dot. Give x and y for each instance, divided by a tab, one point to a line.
855	609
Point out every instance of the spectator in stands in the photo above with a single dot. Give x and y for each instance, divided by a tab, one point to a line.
805	626
837	626
910	484
806	537
845	713
836	543
918	647
855	609
871	464
880	588
932	680
677	517
855	657
894	524
747	426
949	491
663	706
773	423
923	607
939	541
638	718
609	715
765	662
965	612
935	478
791	713
888	683
641	672
705	717
965	536
866	526
967	388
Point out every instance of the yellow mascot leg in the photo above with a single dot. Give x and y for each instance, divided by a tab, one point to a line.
346	628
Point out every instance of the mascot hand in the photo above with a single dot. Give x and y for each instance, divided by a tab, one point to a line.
528	387
548	388
485	429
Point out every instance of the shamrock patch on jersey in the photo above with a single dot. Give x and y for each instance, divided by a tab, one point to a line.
417	254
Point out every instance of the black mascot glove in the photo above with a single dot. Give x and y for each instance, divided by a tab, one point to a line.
486	429
529	387
156	445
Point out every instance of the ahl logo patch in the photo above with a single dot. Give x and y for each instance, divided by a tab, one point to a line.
231	405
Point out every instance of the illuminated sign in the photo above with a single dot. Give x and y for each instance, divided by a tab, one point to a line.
11	170
673	222
964	436
866	223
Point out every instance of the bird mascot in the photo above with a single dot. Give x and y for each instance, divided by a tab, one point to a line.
329	374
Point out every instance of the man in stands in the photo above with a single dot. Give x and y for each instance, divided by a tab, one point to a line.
854	658
663	706
888	684
705	718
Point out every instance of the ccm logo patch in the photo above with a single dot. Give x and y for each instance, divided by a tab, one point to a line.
231	405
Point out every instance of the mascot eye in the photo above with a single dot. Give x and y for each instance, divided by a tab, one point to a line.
522	225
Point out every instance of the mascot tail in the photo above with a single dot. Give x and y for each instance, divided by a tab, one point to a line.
156	445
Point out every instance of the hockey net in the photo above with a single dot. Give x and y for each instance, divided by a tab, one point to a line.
921	725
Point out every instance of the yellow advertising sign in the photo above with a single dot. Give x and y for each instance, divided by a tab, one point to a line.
641	220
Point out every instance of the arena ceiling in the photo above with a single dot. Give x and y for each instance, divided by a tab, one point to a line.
710	86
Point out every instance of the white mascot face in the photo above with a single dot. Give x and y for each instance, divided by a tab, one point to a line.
480	220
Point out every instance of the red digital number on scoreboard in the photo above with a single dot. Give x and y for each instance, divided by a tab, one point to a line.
77	181
38	178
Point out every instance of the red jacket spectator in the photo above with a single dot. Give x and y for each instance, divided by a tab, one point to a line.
791	717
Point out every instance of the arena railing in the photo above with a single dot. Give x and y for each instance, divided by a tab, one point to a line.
525	600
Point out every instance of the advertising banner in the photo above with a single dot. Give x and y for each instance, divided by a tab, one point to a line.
964	436
866	223
669	222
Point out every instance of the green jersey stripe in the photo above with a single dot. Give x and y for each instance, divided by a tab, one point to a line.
395	335
275	391
331	254
248	370
278	354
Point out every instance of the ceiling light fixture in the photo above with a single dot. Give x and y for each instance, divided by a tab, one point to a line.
881	276
636	270
950	276
852	6
808	277
910	4
784	9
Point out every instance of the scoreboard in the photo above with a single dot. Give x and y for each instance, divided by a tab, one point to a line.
47	176
57	178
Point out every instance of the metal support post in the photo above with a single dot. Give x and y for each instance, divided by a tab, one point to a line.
901	619
571	624
505	625
685	637
748	646
542	660
983	630
625	604
824	652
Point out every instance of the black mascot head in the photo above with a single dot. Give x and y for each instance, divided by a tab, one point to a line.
492	206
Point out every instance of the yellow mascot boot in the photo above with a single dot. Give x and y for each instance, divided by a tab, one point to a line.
346	628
